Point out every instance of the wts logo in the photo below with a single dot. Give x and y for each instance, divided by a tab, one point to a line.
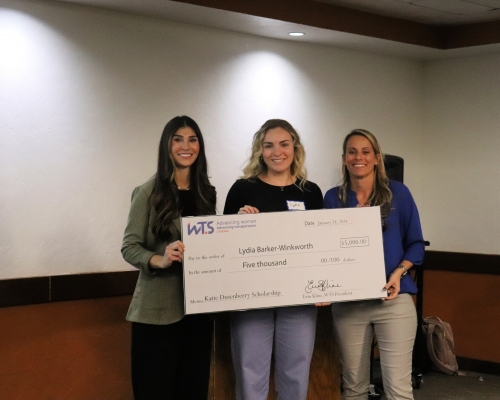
205	228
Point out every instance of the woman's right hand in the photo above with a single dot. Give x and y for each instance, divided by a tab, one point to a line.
248	210
173	252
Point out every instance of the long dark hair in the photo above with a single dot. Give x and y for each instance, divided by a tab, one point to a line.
164	197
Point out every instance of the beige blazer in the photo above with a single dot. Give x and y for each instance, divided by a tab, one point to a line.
159	296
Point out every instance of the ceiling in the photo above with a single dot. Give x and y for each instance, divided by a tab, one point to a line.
432	12
419	29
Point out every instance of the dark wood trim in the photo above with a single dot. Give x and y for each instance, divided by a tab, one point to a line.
337	18
462	262
332	17
91	286
454	37
481	366
18	292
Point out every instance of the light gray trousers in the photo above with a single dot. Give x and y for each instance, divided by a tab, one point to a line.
395	323
292	331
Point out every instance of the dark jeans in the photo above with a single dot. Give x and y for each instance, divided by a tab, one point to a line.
172	361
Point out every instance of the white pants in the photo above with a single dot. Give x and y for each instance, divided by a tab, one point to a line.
292	331
395	324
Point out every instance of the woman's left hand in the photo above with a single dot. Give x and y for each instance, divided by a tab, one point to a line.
393	286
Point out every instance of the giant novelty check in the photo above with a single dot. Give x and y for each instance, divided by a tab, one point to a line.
247	261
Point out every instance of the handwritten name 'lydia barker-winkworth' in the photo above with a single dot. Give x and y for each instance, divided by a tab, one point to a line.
273	249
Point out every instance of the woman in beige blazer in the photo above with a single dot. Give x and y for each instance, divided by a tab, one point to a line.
170	351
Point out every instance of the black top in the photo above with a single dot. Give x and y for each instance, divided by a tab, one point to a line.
268	198
187	203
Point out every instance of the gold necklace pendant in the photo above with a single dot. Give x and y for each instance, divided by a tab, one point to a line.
182	188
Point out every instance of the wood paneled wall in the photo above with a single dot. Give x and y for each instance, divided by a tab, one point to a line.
72	349
75	350
80	350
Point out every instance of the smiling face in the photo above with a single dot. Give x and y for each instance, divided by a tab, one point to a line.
278	151
184	148
360	158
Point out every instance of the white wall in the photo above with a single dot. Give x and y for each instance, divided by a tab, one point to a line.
461	168
85	94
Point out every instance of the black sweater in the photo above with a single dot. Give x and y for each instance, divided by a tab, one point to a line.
269	198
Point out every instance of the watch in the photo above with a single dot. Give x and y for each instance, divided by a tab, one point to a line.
404	269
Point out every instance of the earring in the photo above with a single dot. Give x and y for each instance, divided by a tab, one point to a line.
261	160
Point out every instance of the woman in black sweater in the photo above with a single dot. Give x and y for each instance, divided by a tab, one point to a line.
274	180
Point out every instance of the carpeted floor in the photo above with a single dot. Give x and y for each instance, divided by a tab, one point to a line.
438	386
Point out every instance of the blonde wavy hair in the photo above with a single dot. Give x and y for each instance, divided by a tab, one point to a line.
256	166
381	195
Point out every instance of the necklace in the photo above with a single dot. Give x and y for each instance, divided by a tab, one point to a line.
182	188
268	180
